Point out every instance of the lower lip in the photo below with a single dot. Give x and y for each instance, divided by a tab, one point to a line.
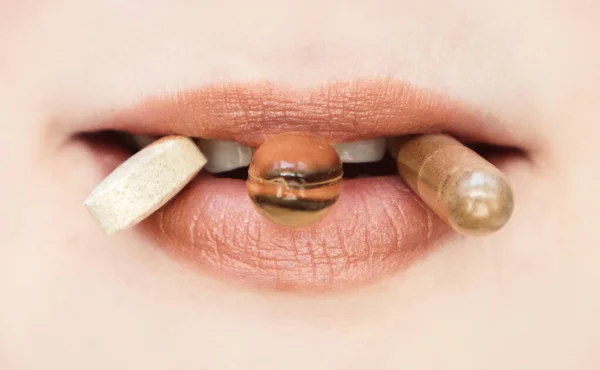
376	228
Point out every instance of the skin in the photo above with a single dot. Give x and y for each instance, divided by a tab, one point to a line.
72	298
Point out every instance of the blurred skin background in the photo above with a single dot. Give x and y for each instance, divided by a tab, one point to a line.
73	298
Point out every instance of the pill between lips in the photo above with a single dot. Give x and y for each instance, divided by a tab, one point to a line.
144	183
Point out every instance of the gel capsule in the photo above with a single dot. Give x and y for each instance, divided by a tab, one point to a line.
464	189
294	179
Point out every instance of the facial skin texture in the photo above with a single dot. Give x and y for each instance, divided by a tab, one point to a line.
524	298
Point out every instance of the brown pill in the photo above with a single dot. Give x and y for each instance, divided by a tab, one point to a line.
294	179
461	187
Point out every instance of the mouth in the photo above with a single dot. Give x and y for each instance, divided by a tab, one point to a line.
377	228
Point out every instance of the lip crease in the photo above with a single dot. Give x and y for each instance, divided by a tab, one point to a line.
377	227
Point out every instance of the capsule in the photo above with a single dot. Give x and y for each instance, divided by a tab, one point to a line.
295	179
461	187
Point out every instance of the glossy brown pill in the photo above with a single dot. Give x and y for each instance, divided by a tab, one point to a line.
294	179
461	187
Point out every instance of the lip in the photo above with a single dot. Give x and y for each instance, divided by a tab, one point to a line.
377	227
339	111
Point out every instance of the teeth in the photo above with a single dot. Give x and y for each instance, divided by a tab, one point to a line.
361	151
224	156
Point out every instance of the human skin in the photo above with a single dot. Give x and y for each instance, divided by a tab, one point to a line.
73	298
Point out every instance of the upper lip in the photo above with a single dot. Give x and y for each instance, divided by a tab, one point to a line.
340	111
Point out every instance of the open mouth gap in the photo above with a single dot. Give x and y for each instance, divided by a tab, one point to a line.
387	165
384	167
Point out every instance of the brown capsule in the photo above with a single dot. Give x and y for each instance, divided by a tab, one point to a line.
461	187
294	179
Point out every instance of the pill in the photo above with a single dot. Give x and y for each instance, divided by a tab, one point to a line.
294	179
461	187
144	183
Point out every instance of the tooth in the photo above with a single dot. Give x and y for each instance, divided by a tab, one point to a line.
361	151
225	156
393	144
144	183
143	141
